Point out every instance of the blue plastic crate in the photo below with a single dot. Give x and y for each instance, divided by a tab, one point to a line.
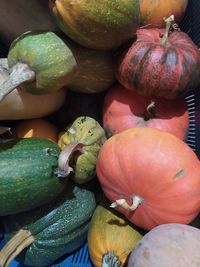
191	25
80	258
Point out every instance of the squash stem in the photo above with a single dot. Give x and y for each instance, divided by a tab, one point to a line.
137	200
20	73
110	260
4	63
15	246
63	160
169	22
149	112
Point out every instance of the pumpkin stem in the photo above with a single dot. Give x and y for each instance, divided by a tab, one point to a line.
169	22
15	245
110	260
63	160
20	73
4	63
149	112
123	203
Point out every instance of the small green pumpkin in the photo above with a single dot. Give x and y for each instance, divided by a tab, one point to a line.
40	62
80	143
50	231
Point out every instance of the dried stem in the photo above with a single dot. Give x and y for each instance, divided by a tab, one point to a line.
15	246
169	22
63	161
20	73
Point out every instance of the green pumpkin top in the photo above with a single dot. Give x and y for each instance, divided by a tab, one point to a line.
80	144
40	62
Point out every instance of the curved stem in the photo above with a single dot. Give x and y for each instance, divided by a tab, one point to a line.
63	160
15	246
110	260
4	63
137	200
20	73
149	112
169	22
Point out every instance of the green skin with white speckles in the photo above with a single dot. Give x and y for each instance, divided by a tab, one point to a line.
27	178
48	56
88	132
59	227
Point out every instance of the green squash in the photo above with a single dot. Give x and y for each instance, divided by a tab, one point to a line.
97	24
80	144
95	69
53	230
40	62
27	174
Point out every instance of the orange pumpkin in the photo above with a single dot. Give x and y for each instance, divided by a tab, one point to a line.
36	128
150	176
124	109
153	12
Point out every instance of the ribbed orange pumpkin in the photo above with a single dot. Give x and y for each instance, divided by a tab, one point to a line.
150	176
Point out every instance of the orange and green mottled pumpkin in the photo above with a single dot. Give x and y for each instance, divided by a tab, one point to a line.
97	24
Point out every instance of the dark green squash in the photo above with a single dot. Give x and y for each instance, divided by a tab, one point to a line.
52	230
27	174
39	62
80	142
97	24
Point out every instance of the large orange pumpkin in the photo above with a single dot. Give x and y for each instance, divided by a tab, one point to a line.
150	176
153	11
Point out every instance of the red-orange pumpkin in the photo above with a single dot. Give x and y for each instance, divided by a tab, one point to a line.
124	109
160	62
150	176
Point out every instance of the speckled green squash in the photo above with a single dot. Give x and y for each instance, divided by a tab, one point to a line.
48	56
95	69
97	24
58	228
27	178
87	132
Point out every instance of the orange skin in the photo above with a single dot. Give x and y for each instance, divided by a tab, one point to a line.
36	128
153	11
156	166
124	109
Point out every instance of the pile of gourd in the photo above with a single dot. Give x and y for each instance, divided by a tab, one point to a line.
93	130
